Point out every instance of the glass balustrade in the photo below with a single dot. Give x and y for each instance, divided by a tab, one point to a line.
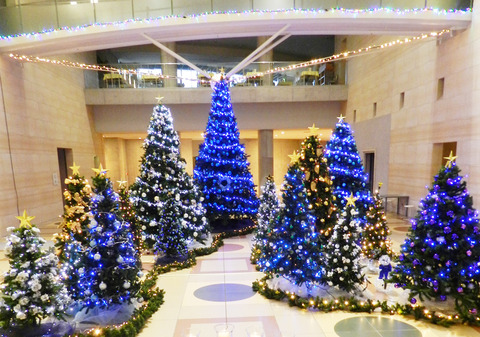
152	75
28	16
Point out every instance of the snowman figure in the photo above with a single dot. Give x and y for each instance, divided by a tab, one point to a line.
385	268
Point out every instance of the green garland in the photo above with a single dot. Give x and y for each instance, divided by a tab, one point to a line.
355	305
154	298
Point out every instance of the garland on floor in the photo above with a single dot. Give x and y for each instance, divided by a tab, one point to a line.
154	297
355	305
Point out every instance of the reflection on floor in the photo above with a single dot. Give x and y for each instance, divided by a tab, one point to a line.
195	303
218	291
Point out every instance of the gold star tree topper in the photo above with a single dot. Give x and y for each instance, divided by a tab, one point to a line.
100	170
341	118
450	159
294	157
75	169
122	183
25	220
159	99
351	200
313	129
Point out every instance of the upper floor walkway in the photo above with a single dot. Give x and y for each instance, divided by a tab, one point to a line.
63	27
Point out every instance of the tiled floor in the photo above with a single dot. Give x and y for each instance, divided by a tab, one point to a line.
217	291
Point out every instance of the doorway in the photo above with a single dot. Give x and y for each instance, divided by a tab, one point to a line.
370	169
65	159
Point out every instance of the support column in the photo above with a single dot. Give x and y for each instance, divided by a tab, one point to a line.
169	69
267	57
265	154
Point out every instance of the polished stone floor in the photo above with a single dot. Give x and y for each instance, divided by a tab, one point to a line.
217	293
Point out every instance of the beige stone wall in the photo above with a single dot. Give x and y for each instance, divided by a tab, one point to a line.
425	120
44	109
281	149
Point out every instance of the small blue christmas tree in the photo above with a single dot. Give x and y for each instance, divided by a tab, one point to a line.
297	248
264	235
346	168
440	256
112	265
221	168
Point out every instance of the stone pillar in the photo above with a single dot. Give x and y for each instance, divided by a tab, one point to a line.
169	66
265	154
267	57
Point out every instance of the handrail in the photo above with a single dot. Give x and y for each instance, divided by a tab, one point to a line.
151	75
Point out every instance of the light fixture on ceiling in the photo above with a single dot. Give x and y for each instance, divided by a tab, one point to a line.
73	2
94	1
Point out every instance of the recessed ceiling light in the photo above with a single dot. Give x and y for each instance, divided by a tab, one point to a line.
73	2
283	132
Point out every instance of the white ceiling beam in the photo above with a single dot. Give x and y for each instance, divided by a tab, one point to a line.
266	50
247	59
178	57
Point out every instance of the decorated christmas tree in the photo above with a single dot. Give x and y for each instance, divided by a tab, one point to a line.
267	212
222	169
318	183
111	274
127	213
74	225
33	289
196	226
166	201
346	168
440	256
296	250
74	235
342	253
375	235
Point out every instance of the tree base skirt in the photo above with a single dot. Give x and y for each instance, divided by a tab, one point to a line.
51	329
164	260
230	225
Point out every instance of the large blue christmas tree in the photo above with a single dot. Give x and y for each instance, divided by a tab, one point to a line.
440	256
222	169
346	168
297	247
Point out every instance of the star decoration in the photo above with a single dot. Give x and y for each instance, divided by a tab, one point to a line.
75	169
294	157
25	220
450	159
341	118
351	200
222	70
100	170
313	129
122	183
159	99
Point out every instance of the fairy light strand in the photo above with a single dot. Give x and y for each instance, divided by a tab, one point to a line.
295	11
333	58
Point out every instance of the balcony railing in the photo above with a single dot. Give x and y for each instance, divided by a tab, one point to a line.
179	75
29	16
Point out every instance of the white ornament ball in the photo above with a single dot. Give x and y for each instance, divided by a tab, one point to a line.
120	259
97	257
126	285
102	286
